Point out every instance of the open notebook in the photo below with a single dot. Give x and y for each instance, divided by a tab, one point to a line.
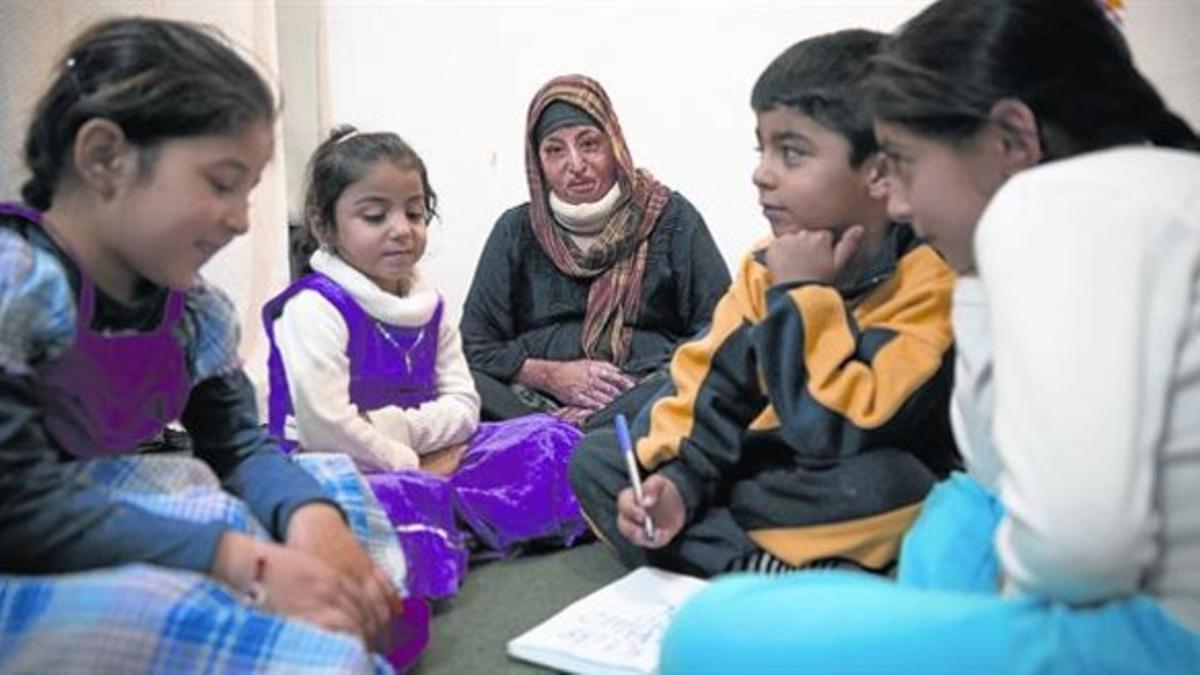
617	629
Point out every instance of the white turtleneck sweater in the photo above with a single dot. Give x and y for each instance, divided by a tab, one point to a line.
312	338
584	223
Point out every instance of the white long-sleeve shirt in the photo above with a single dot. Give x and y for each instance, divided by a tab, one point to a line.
971	402
312	338
1091	271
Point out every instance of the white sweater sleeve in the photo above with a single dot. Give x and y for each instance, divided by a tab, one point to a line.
450	418
1075	283
312	337
971	401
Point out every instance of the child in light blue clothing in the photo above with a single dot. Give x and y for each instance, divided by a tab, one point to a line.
1027	148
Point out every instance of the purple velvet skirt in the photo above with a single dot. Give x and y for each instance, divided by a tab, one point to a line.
511	487
421	507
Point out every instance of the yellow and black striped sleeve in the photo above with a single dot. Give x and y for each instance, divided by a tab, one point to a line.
694	431
842	381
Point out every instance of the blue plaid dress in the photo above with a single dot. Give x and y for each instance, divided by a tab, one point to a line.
145	619
139	617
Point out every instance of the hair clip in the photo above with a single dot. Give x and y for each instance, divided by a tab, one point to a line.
1112	9
71	68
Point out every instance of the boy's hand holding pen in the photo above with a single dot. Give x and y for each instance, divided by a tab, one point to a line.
649	513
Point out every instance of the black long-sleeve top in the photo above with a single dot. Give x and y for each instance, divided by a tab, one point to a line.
521	306
52	518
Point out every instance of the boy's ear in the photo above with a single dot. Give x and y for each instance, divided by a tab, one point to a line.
875	171
1019	136
102	156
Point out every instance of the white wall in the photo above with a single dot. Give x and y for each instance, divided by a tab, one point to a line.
454	77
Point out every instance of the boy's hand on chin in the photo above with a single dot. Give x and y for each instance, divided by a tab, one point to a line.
812	255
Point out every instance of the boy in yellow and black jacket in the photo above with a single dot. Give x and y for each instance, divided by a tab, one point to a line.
804	427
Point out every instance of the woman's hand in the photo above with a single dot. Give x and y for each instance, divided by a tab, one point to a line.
319	530
296	585
664	505
575	415
586	383
443	462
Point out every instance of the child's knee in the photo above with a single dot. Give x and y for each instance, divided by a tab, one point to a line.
894	475
688	645
592	467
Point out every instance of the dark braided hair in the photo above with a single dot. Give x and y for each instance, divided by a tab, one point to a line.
822	78
156	79
946	68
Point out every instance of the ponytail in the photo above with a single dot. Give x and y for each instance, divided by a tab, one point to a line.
1170	131
943	71
156	79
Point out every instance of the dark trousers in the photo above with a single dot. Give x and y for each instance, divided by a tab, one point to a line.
500	402
704	547
713	540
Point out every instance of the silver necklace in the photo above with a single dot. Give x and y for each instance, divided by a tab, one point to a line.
405	351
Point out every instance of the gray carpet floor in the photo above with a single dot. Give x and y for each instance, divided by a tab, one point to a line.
500	600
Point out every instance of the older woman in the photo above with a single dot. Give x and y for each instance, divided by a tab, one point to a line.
582	294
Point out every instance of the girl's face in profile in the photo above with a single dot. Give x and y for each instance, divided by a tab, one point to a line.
191	202
381	224
941	187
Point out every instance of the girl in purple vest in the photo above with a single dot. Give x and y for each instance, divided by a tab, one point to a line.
142	155
364	361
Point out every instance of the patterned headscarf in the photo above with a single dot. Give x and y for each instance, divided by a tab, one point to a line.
617	261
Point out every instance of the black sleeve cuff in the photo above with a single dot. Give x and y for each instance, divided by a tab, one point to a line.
690	486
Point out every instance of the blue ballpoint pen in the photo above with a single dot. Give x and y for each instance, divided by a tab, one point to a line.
631	464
